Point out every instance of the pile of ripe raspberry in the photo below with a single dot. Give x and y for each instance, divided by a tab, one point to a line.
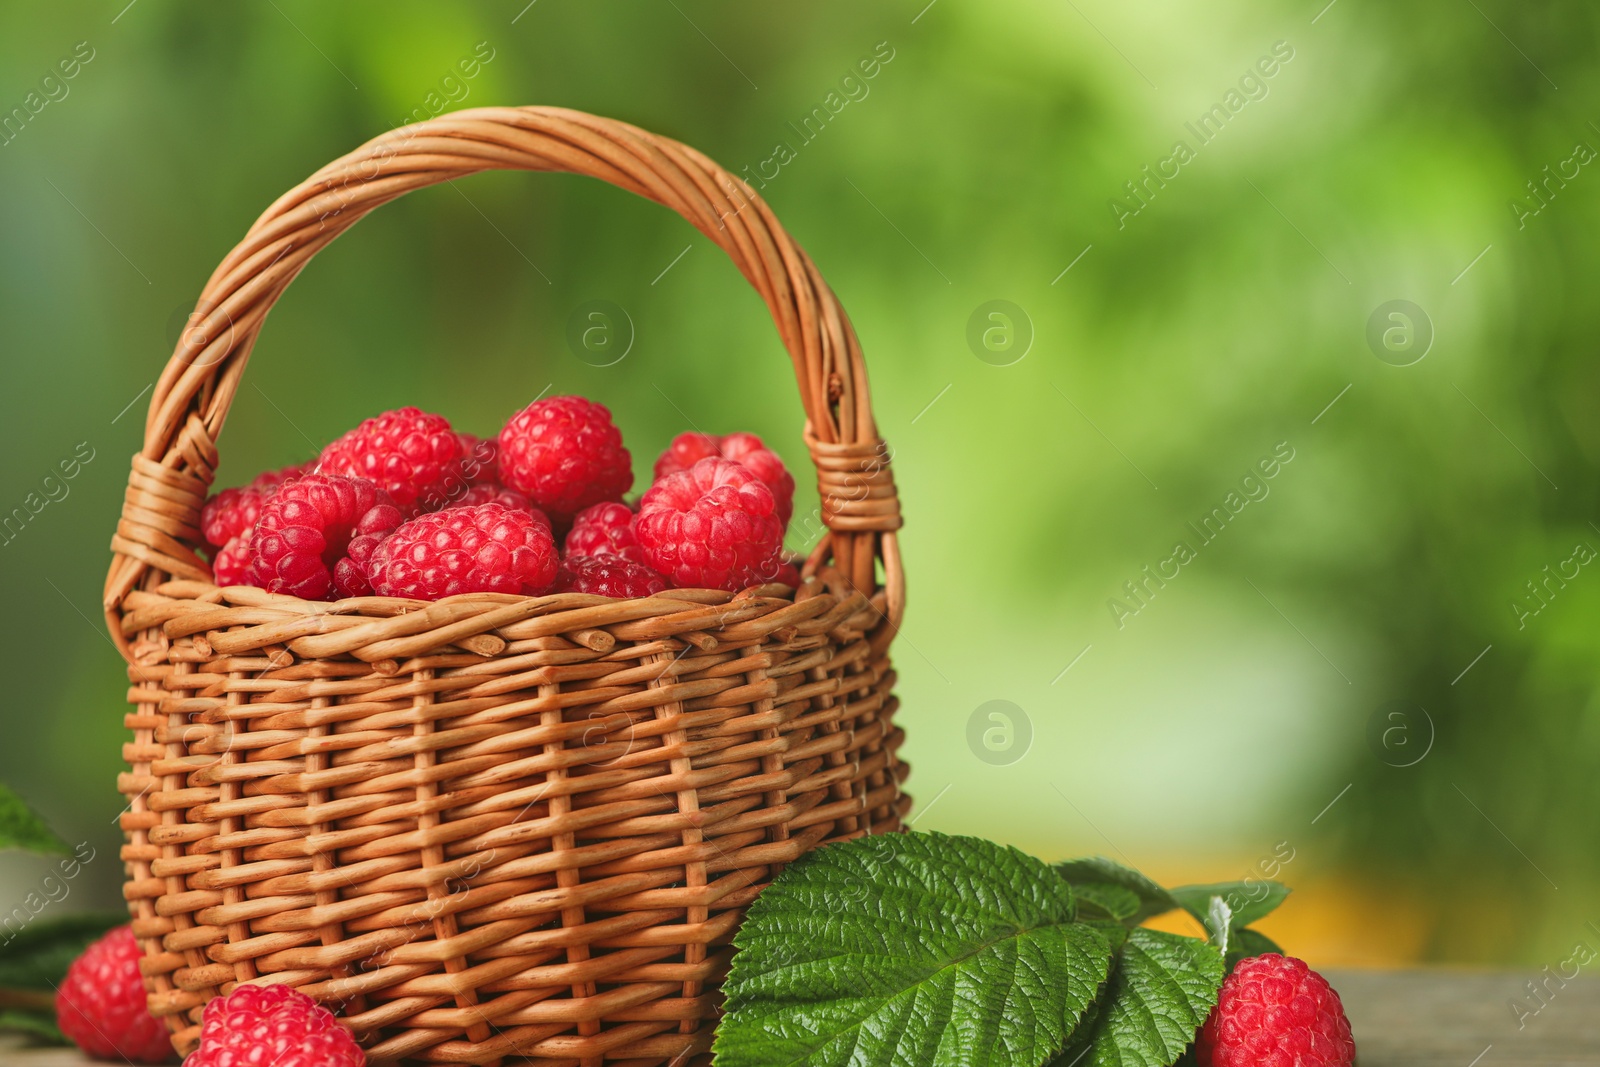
405	506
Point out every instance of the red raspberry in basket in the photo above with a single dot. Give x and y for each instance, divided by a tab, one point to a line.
490	493
272	1026
350	573
1274	1011
101	1004
233	511
687	449
604	530
310	527
480	457
608	576
482	548
231	565
475	482
712	526
565	454
409	453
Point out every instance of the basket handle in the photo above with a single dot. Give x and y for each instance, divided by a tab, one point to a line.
158	533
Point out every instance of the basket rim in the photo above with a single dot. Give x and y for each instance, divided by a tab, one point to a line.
240	619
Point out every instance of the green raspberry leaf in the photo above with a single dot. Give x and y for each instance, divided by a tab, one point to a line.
1102	900
910	950
1153	900
1250	901
21	828
39	1025
1162	989
1114	932
36	955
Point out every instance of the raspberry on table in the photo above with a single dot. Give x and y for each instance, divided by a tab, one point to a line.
687	449
1274	1011
232	512
712	526
101	1004
480	548
611	576
272	1026
408	453
564	453
603	530
307	530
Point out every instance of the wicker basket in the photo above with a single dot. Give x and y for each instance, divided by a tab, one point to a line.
494	829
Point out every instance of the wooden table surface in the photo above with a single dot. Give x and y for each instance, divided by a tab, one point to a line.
1400	1018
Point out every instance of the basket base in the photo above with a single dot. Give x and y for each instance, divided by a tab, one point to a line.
525	837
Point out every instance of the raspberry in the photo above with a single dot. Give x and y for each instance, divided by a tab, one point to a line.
565	454
603	530
687	449
273	1026
1274	1011
350	573
479	459
608	576
711	526
231	564
789	575
482	548
233	511
408	453
101	1004
311	527
491	493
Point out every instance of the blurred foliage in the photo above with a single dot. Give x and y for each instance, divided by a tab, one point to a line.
1179	349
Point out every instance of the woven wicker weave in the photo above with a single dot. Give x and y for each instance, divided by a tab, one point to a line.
494	829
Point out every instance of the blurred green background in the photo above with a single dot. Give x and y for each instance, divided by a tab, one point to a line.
1342	676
